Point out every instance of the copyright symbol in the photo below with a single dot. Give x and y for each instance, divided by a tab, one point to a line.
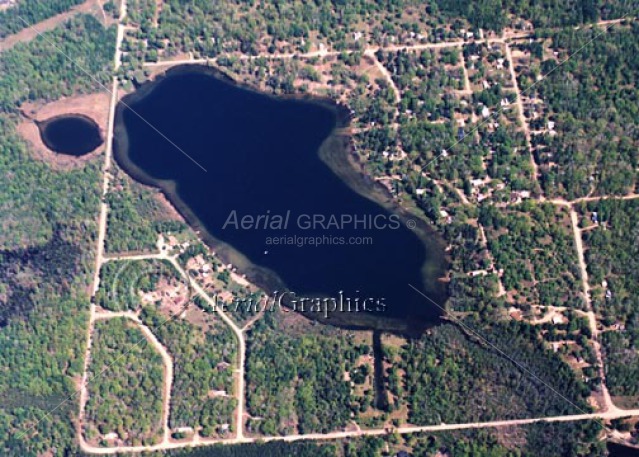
410	223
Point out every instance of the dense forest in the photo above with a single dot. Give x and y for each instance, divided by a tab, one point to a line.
135	217
451	377
124	383
36	201
593	102
48	67
307	392
51	267
613	267
494	14
29	12
277	449
204	354
533	245
45	215
577	439
423	79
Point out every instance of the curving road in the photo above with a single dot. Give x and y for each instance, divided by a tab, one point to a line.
162	255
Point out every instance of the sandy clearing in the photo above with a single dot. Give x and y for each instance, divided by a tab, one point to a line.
94	106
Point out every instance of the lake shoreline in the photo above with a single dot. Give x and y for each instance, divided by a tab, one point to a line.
342	161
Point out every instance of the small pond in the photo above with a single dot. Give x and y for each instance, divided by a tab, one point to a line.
71	134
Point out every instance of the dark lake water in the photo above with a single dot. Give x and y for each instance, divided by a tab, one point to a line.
283	163
617	450
70	134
